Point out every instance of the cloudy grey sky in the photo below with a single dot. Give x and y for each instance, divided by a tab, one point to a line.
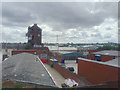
78	22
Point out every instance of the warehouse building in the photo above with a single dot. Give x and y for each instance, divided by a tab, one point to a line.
26	69
104	55
100	72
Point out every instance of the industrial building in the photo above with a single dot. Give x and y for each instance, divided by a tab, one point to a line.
41	52
56	48
103	55
26	69
100	72
65	53
101	67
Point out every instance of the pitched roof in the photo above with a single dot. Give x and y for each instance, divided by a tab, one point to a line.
26	67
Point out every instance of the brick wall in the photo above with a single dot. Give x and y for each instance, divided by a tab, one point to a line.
97	73
90	51
67	74
91	56
37	51
21	51
106	58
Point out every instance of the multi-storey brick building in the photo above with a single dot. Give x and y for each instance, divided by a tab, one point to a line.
35	36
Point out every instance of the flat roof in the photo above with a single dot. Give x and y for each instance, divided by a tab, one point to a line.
55	48
67	53
73	54
114	62
62	52
26	67
108	52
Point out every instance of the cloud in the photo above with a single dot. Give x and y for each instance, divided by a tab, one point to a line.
67	15
69	20
14	35
107	36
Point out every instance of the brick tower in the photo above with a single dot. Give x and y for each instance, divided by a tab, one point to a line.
35	36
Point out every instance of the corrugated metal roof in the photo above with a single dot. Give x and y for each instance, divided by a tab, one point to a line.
28	68
108	52
73	54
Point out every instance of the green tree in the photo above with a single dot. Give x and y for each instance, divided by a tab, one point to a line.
107	47
118	47
28	46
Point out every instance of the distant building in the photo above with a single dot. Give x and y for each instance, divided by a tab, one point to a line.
13	45
34	35
42	53
103	55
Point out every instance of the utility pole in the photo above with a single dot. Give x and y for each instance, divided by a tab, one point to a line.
57	44
6	50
